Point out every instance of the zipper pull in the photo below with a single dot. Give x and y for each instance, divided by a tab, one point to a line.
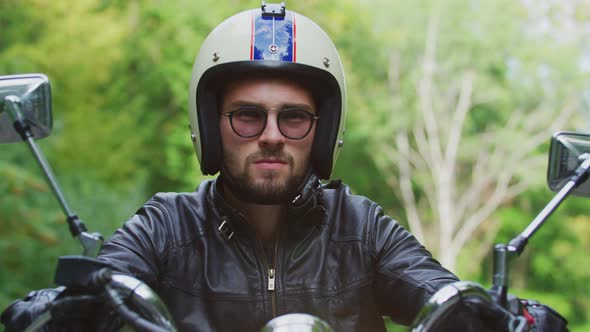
271	279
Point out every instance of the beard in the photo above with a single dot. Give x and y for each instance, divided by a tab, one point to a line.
271	189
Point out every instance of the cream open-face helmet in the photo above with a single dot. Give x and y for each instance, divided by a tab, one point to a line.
275	42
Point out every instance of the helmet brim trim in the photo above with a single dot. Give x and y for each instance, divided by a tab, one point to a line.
321	83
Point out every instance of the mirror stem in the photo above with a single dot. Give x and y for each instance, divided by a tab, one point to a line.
580	175
503	254
91	243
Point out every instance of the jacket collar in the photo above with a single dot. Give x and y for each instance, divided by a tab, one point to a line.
305	209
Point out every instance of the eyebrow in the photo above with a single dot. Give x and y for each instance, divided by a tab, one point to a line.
242	103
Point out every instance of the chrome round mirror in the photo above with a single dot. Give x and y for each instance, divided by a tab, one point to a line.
297	323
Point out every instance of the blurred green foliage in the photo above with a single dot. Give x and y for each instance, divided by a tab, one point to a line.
119	72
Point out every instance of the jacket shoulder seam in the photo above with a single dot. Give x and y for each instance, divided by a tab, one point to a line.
371	224
170	248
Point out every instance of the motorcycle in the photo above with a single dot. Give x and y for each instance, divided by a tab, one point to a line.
26	115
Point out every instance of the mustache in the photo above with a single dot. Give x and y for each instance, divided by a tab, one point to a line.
267	154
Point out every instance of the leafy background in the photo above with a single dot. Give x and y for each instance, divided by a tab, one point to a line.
120	69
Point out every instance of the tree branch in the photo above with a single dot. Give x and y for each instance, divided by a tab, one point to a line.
425	95
406	186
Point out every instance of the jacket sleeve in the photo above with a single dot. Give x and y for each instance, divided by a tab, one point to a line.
406	274
143	245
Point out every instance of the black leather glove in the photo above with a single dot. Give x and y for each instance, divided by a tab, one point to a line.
474	314
21	313
542	317
69	312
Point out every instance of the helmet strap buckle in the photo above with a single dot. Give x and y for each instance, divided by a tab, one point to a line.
225	229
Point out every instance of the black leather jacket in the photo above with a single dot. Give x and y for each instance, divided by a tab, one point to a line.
337	257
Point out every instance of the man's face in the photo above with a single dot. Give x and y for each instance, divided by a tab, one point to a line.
269	167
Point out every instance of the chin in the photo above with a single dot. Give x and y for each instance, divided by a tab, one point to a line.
269	187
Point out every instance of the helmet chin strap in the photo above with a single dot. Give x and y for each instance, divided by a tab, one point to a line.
297	197
307	189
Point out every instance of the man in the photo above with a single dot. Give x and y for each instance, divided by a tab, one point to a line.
267	104
267	107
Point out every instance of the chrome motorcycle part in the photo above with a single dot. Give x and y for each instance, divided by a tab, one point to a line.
34	93
564	158
143	300
136	303
29	111
576	178
296	323
569	162
444	300
444	303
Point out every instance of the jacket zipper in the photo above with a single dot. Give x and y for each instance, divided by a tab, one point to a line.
271	275
272	279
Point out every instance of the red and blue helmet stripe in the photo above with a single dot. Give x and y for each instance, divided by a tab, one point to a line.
273	38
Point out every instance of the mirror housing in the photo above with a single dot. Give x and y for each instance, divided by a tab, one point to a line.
34	93
564	158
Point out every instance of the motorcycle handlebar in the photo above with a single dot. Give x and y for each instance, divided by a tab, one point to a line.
136	303
474	299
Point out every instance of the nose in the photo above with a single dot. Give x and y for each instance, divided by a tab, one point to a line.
271	135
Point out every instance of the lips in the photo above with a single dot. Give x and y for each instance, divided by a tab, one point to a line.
270	163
